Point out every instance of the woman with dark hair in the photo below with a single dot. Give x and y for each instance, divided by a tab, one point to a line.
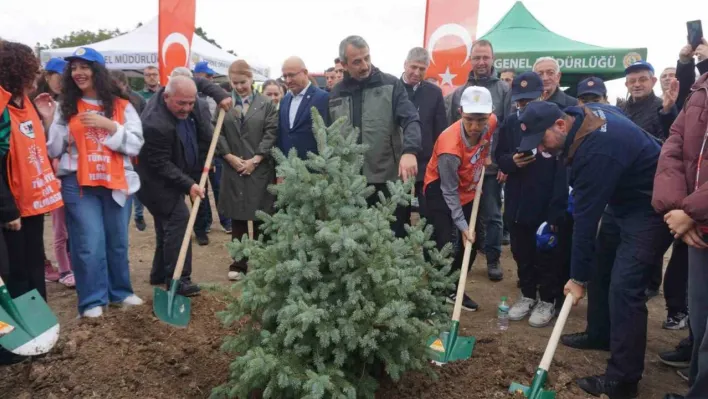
50	80
94	133
249	132
274	91
29	176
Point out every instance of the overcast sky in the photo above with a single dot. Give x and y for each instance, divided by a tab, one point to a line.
271	30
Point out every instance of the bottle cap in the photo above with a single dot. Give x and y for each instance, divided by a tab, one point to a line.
503	298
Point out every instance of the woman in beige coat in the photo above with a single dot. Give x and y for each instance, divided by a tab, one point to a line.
249	132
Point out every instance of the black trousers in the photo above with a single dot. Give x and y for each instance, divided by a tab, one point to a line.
402	213
169	233
676	279
628	246
537	269
239	229
26	257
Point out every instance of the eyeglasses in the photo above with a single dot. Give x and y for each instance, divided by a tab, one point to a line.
642	80
152	75
291	75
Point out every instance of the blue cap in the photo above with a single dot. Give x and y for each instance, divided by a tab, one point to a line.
592	85
545	238
56	65
639	66
203	67
535	119
87	54
527	86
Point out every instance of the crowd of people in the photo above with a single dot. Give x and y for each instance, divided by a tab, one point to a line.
594	194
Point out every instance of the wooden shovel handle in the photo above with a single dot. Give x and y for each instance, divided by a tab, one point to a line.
251	232
468	250
556	334
195	206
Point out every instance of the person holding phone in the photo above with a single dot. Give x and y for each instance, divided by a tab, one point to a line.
681	195
530	201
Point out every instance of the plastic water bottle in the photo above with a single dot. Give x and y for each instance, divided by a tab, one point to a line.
503	315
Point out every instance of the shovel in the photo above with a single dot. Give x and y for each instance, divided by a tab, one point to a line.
536	390
167	305
36	329
448	346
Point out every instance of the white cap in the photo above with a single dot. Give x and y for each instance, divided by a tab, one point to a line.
476	100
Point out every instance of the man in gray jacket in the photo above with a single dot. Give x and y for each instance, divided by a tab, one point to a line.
490	229
377	104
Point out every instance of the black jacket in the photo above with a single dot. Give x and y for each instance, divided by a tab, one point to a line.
428	100
533	194
686	75
647	114
563	100
161	165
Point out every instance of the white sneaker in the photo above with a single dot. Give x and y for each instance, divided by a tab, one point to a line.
132	300
235	276
542	314
521	308
94	312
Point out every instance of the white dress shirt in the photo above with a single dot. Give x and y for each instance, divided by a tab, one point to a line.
295	104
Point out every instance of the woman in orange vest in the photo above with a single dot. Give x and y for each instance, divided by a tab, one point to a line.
29	176
459	155
94	133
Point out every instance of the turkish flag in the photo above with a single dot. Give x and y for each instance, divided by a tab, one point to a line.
175	31
450	29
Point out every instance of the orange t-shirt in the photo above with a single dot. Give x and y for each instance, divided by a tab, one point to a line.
472	159
30	176
99	166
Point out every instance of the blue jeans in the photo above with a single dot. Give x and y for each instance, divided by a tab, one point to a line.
139	208
98	241
490	215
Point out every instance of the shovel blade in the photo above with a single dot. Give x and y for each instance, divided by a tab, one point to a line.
36	327
171	308
519	388
449	347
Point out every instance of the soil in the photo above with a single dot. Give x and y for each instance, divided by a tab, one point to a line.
130	354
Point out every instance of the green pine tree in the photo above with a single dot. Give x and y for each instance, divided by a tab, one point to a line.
331	295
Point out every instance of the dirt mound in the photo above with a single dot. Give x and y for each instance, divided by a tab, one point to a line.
128	352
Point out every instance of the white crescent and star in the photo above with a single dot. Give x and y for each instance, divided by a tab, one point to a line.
450	30
447	77
175	38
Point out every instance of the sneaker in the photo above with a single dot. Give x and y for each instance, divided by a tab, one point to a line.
227	229
51	275
506	240
68	280
542	314
202	240
521	308
94	312
132	300
680	357
684	373
236	275
495	272
678	321
467	303
140	224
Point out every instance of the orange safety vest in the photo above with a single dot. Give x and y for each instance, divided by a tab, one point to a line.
30	176
99	166
470	171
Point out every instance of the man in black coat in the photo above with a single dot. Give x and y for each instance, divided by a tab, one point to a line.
177	137
428	100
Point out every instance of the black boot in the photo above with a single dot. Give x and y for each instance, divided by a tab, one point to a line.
582	341
600	384
681	357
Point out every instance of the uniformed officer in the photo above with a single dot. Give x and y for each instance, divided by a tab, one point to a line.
612	163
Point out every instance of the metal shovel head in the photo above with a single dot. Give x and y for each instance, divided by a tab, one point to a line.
523	389
36	329
449	347
171	308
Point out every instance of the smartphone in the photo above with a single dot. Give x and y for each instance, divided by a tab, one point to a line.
526	153
695	33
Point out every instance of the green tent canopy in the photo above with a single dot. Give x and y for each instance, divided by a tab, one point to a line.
519	39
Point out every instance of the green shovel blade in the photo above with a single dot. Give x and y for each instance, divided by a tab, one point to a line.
536	390
449	347
36	328
172	308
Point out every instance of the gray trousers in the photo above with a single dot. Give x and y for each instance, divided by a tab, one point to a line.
698	308
169	232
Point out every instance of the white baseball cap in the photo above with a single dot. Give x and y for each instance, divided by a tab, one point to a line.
476	100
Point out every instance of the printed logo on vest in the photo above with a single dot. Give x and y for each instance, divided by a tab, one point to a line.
27	128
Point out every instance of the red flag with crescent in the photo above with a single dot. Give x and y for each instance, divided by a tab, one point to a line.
450	29
176	28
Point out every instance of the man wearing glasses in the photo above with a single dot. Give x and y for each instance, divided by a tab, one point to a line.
152	82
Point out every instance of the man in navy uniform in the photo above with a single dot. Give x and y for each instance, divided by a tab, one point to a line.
612	163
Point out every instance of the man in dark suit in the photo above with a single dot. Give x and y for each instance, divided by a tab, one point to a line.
295	120
428	100
177	136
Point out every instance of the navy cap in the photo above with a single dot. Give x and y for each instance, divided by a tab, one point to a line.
87	54
56	65
639	66
535	119
203	67
527	86
592	85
